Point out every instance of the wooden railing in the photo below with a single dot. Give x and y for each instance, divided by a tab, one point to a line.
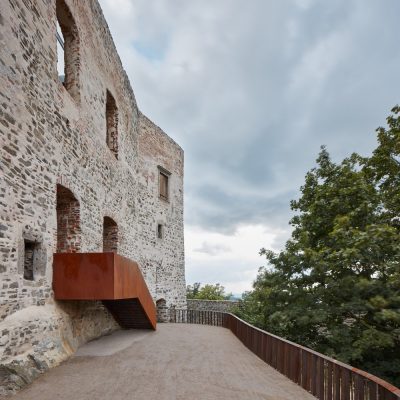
324	377
199	317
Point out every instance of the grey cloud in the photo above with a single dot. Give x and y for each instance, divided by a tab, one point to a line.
223	211
213	249
251	90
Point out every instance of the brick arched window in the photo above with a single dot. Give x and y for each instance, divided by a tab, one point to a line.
68	221
110	235
68	63
112	124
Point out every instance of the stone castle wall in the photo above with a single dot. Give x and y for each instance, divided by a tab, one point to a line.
212	305
53	146
160	256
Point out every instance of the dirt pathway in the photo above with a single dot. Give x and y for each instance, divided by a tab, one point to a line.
175	362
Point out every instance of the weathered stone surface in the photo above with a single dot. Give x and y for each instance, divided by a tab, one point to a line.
54	135
163	258
212	305
39	337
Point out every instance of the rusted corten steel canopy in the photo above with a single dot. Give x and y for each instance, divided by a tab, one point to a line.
109	277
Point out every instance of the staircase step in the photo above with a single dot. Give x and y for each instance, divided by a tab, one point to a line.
128	313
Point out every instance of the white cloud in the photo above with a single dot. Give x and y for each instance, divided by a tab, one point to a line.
304	4
231	260
212	249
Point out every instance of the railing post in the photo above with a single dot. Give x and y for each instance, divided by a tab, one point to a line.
372	391
345	386
314	374
336	382
329	381
320	378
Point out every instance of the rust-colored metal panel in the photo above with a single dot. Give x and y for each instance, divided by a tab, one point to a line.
101	276
129	283
83	276
126	278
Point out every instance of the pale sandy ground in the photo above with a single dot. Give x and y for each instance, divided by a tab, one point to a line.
175	362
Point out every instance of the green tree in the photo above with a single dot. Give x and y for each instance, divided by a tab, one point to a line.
192	291
207	292
336	285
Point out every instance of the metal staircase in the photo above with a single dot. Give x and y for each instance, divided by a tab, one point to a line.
128	313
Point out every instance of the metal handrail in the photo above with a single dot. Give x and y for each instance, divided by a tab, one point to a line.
324	377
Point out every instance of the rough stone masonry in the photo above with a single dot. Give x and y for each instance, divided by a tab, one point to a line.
81	170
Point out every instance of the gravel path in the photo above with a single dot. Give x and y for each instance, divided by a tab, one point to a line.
175	362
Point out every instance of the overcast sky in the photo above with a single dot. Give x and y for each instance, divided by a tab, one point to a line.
251	90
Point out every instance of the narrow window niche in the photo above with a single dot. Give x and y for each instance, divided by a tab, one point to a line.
160	231
163	180
68	221
112	124
110	235
67	39
30	256
60	54
162	310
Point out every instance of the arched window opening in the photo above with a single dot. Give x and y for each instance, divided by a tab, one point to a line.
67	50
110	235
162	311
68	221
112	124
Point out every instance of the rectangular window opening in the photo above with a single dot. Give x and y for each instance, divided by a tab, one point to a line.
60	54
163	186
29	259
159	231
112	124
68	50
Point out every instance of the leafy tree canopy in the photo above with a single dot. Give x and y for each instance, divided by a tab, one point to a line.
336	285
207	292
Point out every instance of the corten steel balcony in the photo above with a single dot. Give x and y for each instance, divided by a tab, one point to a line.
109	277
